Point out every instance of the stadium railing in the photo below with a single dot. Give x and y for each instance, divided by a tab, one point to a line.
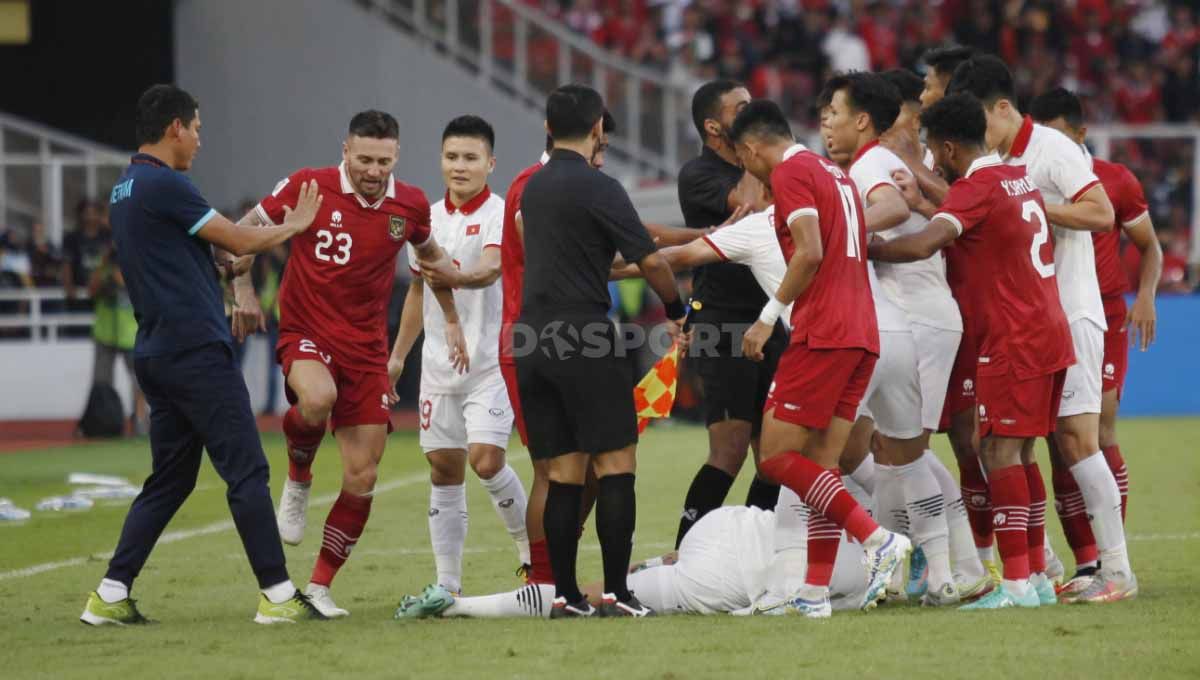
36	316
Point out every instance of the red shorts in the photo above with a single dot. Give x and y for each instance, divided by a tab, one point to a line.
813	385
960	392
1116	346
362	396
1010	407
509	371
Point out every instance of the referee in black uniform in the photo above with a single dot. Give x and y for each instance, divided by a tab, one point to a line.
576	391
726	300
183	357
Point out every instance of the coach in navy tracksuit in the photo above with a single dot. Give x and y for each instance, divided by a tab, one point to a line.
183	357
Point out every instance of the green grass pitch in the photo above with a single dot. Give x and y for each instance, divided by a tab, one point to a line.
198	585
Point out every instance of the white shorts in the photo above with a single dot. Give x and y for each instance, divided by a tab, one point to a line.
453	421
893	397
1083	388
936	349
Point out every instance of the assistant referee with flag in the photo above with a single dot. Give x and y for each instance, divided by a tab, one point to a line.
576	392
183	357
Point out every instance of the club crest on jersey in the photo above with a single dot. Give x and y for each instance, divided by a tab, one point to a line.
396	227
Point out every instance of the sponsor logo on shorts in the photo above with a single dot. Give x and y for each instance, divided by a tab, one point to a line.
384	399
496	411
1109	369
1067	394
791	407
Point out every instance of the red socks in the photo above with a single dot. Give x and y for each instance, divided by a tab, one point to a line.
343	527
822	491
539	563
1037	518
1010	508
302	441
824	537
1072	513
1112	455
976	500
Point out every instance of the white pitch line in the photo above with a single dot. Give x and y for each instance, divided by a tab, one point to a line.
185	534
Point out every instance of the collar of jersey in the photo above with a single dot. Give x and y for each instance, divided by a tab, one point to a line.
1021	141
147	159
984	162
471	205
545	158
348	188
793	150
863	150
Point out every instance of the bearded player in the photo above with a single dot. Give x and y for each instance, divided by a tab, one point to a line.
333	329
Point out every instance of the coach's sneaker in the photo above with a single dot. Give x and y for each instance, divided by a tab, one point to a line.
885	552
431	602
610	606
969	591
571	610
1044	588
1109	587
318	595
293	511
299	608
1002	598
1055	570
944	596
97	612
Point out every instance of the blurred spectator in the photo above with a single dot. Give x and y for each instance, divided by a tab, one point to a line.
1139	96
267	274
83	250
16	268
114	332
1181	92
45	259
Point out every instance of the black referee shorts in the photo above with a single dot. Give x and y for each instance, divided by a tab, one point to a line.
735	388
576	393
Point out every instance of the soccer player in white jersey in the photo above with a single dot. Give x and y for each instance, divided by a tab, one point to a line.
1076	204
464	417
722	566
856	108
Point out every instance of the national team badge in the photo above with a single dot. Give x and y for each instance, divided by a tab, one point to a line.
396	227
472	230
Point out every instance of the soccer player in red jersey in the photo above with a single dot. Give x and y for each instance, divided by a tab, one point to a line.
333	329
824	372
1061	110
996	215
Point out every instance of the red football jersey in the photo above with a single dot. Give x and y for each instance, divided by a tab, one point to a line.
338	278
512	261
836	310
1129	203
1006	241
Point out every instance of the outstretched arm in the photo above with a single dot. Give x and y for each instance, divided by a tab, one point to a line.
1142	316
240	239
411	325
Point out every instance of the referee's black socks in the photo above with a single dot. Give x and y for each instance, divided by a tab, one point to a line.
616	515
762	495
561	523
707	493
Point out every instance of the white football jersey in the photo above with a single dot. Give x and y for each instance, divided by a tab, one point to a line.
890	317
918	288
464	234
752	241
1062	173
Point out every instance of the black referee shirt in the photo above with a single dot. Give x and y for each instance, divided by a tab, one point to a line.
576	218
704	186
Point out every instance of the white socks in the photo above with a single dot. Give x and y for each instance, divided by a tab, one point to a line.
965	559
786	572
534	600
508	497
864	474
277	594
114	591
1103	501
889	500
926	513
448	532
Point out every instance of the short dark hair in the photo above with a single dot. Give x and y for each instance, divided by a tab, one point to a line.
706	103
908	83
610	124
470	126
374	124
866	92
572	110
986	77
944	60
761	117
1056	103
956	117
158	107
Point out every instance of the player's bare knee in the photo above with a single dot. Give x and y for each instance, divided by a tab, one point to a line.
447	468
317	403
360	479
489	464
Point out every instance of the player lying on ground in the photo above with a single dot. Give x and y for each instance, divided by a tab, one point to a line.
721	567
